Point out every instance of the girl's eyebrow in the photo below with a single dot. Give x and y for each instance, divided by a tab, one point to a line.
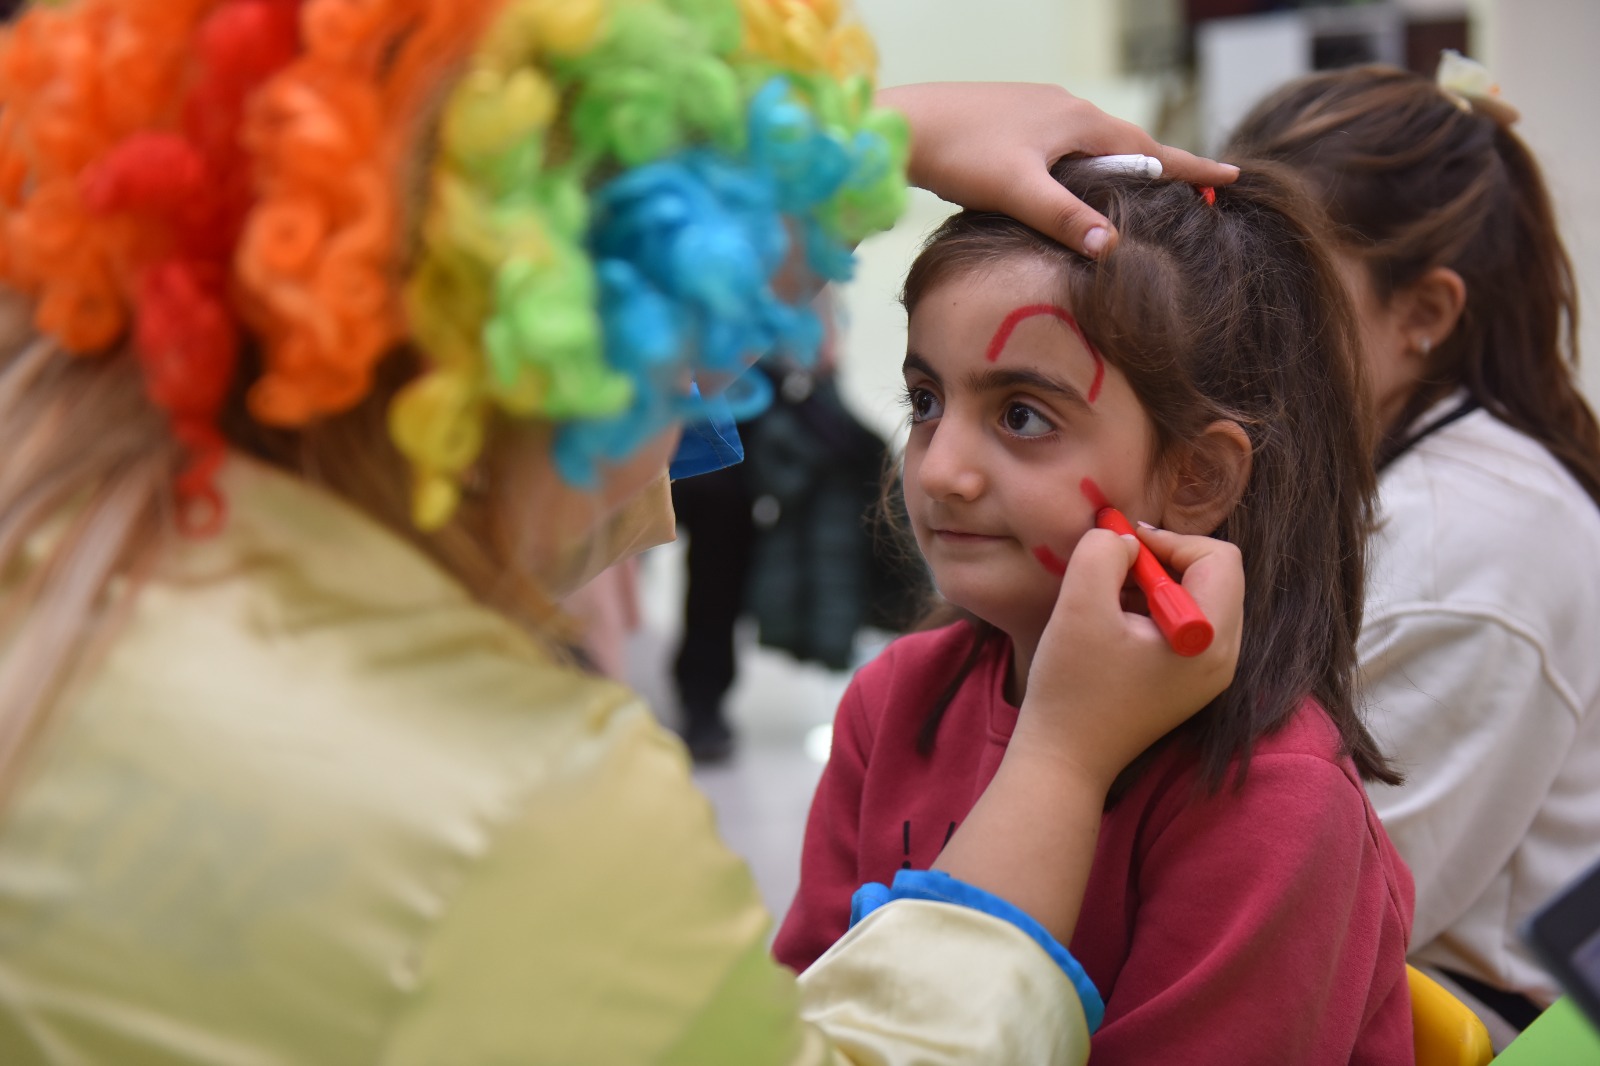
999	379
920	365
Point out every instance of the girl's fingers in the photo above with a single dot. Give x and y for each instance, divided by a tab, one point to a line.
1042	203
1117	136
1097	571
1185	166
1210	570
1180	552
989	146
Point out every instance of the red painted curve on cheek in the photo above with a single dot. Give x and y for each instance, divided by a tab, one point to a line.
1008	326
1097	499
1050	560
1092	493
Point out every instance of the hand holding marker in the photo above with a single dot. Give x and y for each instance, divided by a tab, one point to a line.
1174	611
1171	608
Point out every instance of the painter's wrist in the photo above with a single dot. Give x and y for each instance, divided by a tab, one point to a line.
1071	776
904	100
1066	755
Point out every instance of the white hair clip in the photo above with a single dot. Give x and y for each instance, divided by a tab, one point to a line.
1471	87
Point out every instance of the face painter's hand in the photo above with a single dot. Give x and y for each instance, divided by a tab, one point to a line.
1104	684
989	146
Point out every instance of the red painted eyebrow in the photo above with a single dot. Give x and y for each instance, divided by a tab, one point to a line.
1002	335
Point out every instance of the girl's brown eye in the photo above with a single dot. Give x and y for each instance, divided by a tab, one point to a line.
1024	421
924	405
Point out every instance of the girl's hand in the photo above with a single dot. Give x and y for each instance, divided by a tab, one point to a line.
1104	685
989	146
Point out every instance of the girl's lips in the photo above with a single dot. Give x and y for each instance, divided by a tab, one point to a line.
962	537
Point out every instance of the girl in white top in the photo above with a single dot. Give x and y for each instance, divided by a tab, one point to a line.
1481	645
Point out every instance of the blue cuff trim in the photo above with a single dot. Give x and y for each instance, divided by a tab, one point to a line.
940	887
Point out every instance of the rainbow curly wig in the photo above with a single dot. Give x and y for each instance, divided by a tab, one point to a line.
577	211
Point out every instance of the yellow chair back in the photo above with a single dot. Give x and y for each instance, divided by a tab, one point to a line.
1444	1029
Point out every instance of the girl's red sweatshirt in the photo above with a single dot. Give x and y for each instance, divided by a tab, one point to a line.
1267	923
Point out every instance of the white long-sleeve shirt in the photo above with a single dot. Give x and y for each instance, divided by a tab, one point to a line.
1481	661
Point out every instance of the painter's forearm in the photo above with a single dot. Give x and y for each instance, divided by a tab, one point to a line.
1030	840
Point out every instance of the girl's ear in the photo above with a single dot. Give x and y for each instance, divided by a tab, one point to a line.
1430	307
1208	479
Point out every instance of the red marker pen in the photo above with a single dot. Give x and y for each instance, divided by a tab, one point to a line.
1175	613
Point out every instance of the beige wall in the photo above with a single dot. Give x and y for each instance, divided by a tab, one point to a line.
1069	42
1546	56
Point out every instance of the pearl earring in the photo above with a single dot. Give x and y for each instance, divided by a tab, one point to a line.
1425	345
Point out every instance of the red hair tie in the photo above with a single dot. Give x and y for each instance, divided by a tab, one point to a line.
1207	193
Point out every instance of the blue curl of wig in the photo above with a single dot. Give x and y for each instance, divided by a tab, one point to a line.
686	249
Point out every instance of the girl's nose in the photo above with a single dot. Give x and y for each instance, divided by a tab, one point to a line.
949	468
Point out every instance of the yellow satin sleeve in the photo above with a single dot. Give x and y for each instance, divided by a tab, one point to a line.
654	949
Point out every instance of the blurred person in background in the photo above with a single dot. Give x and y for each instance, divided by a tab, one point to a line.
717	512
713	510
788	537
332	352
1479	644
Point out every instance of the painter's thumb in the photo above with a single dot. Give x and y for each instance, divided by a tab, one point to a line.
1055	212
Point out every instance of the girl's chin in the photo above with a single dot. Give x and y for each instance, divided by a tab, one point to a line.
1015	615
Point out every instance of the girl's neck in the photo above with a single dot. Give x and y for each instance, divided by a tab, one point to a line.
1023	645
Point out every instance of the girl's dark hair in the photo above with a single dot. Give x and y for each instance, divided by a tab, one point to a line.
1232	310
1413	181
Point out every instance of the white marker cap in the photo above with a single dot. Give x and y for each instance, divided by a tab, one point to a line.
1134	166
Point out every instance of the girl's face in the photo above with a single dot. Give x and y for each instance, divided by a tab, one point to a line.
1019	432
1392	373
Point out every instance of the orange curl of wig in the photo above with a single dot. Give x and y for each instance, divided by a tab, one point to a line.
75	83
124	187
319	258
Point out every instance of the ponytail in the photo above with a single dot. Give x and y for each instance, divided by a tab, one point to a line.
1522	341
